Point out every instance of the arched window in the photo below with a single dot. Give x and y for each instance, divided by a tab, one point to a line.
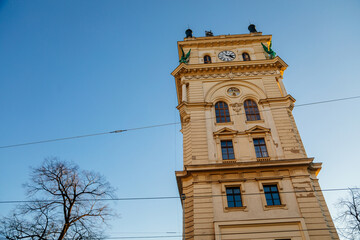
222	112
207	59
251	110
246	56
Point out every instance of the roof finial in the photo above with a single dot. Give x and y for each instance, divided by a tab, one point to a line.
188	33
252	28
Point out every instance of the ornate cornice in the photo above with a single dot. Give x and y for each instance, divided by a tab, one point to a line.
194	104
223	40
283	163
231	69
288	99
277	99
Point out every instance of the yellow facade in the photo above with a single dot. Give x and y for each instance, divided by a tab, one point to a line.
301	212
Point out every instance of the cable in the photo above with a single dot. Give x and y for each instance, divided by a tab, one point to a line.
224	234
177	197
56	139
161	125
220	234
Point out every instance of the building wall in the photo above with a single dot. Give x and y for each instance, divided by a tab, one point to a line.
303	213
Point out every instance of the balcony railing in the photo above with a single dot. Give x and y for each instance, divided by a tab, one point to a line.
263	159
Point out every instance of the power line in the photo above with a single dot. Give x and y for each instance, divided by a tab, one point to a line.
161	125
177	197
225	234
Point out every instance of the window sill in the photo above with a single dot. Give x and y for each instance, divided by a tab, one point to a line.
282	206
230	209
255	121
224	123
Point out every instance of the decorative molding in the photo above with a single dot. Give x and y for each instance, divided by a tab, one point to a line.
231	75
278	100
257	129
225	131
223	40
263	159
238	68
194	104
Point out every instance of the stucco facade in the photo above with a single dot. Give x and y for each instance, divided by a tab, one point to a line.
303	213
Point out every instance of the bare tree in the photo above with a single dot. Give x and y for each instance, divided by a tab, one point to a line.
349	217
65	203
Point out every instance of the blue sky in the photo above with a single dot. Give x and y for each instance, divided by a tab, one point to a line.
78	67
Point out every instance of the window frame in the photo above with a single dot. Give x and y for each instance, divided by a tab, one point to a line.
227	151
251	111
233	196
238	184
207	59
275	195
274	181
222	112
260	147
247	54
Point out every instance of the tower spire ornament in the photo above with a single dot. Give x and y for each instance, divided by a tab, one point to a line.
184	58
268	50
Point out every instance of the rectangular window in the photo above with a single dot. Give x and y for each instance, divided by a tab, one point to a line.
227	150
260	148
272	195
233	196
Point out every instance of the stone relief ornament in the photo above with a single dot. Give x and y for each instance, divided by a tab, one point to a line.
236	107
231	75
233	92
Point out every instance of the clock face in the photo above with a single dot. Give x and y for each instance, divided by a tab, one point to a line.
227	56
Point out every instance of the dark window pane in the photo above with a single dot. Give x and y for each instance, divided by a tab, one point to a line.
246	57
268	196
272	195
233	197
207	59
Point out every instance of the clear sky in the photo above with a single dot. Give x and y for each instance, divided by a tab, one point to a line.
78	67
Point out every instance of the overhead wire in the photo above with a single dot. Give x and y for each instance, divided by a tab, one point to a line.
162	125
177	197
228	233
223	234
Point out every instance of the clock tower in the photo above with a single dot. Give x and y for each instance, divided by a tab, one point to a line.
246	173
